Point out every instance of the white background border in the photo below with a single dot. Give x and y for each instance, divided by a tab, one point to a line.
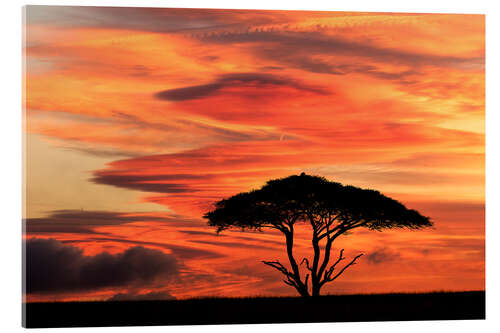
10	176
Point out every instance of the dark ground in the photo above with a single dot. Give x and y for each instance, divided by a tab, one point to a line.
342	308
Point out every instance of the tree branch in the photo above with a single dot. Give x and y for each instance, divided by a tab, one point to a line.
358	224
326	258
317	254
290	282
328	274
290	277
336	230
293	277
328	224
307	264
353	262
329	271
277	265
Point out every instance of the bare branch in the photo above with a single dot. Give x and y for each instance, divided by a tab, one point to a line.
277	265
307	264
340	258
291	279
290	282
328	274
326	258
329	271
353	262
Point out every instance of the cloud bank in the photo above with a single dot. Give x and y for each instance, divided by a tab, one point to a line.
52	266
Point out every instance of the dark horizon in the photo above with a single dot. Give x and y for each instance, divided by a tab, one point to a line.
387	307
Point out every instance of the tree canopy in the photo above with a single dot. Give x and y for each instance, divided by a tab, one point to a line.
331	209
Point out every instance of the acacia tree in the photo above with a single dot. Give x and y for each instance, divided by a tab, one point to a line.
331	209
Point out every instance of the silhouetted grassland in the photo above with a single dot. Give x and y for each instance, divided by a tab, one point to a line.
339	308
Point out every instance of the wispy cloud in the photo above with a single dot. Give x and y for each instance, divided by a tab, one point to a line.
264	81
294	46
381	256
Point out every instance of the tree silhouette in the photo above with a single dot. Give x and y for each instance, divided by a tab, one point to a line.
330	208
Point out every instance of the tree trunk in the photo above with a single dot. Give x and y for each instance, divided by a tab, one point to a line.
319	274
301	287
315	278
315	288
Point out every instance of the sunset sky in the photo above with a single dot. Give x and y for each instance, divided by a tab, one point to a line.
137	120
